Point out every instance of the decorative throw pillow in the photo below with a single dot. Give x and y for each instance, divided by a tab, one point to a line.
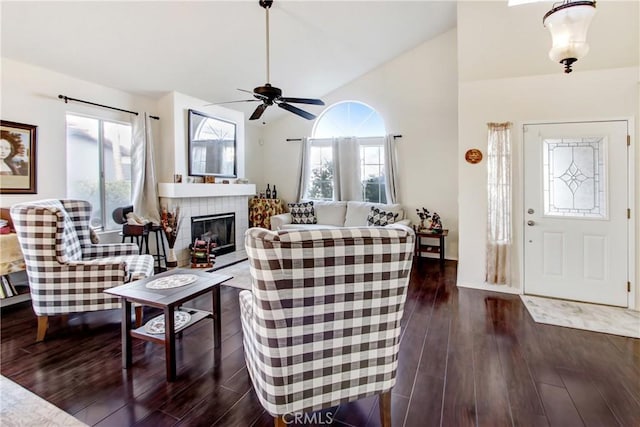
379	218
302	213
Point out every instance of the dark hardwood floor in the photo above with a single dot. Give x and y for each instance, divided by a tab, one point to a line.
467	358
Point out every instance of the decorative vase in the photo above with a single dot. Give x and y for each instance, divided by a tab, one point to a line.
172	261
422	225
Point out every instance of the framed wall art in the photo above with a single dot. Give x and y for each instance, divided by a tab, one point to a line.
17	158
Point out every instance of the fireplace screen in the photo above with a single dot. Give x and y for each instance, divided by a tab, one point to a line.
217	229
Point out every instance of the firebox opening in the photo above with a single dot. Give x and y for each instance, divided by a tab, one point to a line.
218	229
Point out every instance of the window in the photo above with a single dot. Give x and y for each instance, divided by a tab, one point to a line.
99	166
372	172
321	166
347	120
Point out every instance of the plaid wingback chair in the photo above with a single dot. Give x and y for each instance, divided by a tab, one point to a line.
67	273
322	323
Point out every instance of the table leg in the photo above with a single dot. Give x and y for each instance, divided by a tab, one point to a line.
126	334
441	250
170	343
217	318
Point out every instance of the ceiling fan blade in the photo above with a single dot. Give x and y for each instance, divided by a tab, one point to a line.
231	102
258	112
296	110
303	101
257	95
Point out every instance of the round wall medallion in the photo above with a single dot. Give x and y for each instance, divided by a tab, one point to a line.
473	156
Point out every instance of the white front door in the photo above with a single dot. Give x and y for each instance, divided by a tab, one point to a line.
575	211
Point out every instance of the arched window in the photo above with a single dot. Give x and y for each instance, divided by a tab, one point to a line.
342	124
349	118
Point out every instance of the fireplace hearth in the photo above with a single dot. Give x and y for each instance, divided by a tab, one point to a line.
218	229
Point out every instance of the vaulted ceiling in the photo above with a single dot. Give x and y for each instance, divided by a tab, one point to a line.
208	49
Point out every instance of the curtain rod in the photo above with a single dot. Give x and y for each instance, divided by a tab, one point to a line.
67	99
300	139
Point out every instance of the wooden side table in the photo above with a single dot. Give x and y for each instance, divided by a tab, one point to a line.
168	300
429	247
261	211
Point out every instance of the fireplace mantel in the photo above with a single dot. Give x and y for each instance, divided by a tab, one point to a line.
181	191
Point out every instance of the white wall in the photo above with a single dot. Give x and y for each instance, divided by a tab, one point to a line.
30	96
510	79
416	95
173	149
254	162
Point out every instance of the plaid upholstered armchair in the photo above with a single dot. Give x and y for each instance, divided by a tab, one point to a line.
322	323
67	273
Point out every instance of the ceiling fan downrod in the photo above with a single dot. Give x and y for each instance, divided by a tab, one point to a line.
266	4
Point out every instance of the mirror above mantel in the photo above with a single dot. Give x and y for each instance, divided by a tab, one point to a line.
212	146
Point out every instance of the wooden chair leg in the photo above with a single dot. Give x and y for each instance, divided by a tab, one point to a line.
279	422
43	324
139	315
385	409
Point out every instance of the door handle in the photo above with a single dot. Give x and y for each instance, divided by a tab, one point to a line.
530	223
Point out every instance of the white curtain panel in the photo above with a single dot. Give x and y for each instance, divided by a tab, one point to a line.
499	215
143	171
346	169
303	168
391	169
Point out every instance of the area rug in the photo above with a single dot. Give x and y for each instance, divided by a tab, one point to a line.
20	407
578	315
241	276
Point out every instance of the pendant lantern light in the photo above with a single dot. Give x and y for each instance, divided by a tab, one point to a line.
568	23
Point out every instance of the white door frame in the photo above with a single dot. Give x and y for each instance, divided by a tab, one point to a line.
631	174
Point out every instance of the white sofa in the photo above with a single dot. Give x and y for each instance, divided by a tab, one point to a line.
338	214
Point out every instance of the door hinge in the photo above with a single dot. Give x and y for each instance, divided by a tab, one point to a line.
628	286
628	140
628	213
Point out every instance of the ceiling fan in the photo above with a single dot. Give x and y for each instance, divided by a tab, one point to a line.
270	95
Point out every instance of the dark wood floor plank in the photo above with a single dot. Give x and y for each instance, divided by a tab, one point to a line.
399	406
559	406
459	399
521	388
208	410
128	415
245	411
593	409
409	356
470	356
425	407
157	419
625	406
509	333
537	350
177	401
492	399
